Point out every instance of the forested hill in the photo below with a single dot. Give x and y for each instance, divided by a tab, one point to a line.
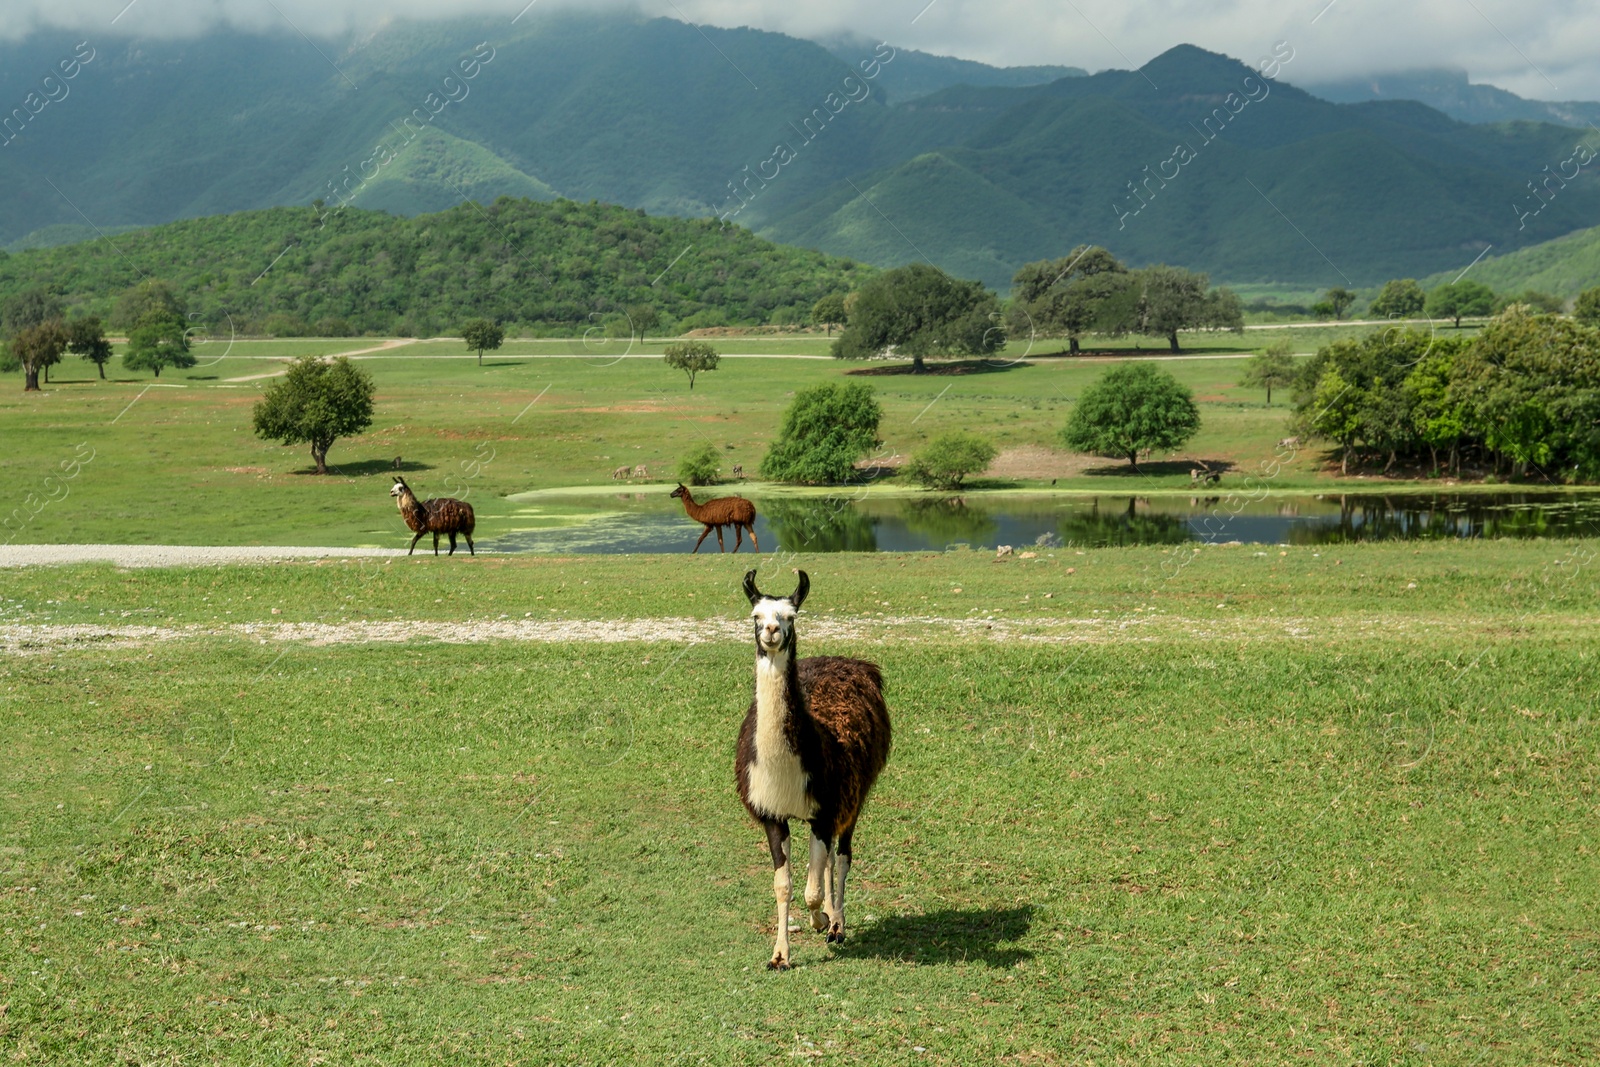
547	266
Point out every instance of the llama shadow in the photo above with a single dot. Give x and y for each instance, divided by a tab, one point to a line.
943	368
366	468
1163	468
946	936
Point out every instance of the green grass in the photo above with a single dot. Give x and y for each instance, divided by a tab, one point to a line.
175	460
1270	807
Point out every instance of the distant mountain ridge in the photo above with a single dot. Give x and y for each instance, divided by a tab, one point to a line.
1452	91
807	146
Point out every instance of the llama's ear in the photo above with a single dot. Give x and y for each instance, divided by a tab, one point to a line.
750	589
799	595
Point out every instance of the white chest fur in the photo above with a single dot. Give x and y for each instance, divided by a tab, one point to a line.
777	780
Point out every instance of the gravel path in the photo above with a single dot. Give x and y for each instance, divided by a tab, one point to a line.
170	555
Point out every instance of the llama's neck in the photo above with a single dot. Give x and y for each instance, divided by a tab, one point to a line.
690	506
777	697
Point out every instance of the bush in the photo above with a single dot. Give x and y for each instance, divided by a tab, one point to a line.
824	431
948	459
700	465
691	357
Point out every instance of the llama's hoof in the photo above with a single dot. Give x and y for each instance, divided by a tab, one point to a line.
836	934
777	963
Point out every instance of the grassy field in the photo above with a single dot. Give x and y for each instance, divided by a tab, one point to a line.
175	461
1175	805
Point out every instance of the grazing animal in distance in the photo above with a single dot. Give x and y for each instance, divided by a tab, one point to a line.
442	515
397	463
812	743
1289	442
620	473
733	511
738	470
640	472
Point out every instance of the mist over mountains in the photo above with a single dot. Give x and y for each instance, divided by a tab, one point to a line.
857	149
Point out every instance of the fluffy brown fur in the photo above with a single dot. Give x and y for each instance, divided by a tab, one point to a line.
733	511
442	515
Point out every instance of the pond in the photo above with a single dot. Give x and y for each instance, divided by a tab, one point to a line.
610	522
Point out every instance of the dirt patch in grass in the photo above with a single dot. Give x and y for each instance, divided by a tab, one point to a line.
1038	462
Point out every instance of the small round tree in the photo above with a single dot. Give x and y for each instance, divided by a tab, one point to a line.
481	334
86	337
692	357
829	311
824	431
1400	298
1131	408
949	459
921	312
700	465
159	340
316	403
1269	369
34	349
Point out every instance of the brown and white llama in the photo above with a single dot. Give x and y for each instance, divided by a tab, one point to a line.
733	511
813	742
442	515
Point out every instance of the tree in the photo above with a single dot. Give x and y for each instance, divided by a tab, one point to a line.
1172	299
692	357
1458	299
948	459
1269	369
1544	303
1070	296
1338	300
158	340
481	334
824	431
1587	308
29	308
135	303
644	318
1131	408
316	403
33	348
86	337
700	465
1400	298
829	311
921	312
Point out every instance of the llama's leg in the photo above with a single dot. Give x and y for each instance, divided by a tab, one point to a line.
841	872
720	546
782	889
702	538
452	542
414	541
738	536
470	550
753	543
817	882
436	542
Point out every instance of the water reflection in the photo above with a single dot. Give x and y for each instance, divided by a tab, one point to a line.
652	523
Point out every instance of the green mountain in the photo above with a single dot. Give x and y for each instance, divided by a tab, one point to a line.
1453	92
553	266
913	74
780	136
1564	267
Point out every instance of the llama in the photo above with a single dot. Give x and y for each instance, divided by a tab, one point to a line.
443	515
620	473
813	741
733	511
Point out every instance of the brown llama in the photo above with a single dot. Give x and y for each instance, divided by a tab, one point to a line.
733	511
813	741
442	515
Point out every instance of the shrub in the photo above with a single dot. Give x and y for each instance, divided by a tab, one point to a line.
1132	408
948	459
824	431
700	465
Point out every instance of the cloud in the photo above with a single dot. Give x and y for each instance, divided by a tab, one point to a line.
1539	50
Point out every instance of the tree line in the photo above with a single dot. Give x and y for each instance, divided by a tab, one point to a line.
1521	398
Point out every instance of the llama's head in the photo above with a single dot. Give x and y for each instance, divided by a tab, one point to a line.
400	488
680	491
774	616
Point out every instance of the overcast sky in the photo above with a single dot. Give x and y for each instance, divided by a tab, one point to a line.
1537	48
